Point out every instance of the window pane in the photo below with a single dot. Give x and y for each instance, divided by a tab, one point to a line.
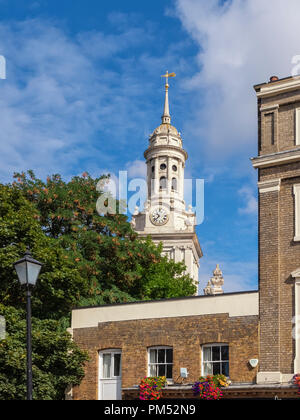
161	356
174	184
206	353
106	365
225	353
169	355
207	369
117	364
163	182
153	370
225	368
216	353
161	370
153	356
216	368
169	371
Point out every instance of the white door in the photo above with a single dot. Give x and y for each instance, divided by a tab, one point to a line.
110	375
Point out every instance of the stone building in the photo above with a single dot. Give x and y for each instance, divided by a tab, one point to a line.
252	337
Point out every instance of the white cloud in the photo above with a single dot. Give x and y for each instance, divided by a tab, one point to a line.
78	102
47	110
251	205
136	169
241	43
61	105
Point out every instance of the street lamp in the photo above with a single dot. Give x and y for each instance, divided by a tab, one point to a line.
28	271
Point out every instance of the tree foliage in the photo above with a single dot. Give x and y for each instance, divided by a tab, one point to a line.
117	266
88	259
60	284
57	361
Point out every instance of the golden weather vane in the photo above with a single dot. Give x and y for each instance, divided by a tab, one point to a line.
167	75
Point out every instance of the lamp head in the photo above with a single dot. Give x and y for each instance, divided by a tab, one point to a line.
28	269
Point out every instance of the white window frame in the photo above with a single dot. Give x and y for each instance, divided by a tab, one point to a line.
203	362
296	191
112	352
156	363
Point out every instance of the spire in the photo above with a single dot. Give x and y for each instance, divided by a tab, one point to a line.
166	118
214	285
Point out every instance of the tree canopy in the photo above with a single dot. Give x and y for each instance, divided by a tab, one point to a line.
114	264
88	259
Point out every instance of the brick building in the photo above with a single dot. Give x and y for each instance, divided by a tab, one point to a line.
251	336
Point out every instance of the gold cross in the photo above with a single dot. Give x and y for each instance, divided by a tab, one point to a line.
167	75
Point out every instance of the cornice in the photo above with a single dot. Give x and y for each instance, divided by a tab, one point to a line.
176	235
279	158
269	185
282	86
164	147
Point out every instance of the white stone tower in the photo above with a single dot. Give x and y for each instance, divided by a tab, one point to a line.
165	217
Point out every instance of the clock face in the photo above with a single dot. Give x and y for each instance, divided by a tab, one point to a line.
159	216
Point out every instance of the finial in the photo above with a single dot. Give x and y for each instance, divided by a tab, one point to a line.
214	285
28	252
166	118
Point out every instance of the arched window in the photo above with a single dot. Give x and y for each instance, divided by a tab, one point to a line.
163	183
174	184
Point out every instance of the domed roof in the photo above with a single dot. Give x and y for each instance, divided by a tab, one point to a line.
165	129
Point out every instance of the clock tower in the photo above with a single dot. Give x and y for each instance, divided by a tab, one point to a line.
165	217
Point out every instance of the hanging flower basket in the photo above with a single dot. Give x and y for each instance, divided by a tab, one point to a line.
208	388
151	387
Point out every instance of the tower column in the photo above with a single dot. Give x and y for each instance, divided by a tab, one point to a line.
169	176
156	177
149	179
180	179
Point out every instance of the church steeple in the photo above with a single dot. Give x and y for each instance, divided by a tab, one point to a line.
166	117
165	216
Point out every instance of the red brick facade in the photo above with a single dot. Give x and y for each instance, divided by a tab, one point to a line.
185	335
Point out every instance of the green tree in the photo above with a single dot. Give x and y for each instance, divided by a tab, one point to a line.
57	361
60	284
116	264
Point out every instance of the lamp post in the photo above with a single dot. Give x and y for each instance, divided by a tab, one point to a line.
28	271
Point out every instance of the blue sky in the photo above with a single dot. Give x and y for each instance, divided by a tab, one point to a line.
83	91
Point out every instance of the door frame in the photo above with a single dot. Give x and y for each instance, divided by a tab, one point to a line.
118	379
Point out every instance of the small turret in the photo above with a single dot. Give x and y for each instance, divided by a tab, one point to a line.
214	285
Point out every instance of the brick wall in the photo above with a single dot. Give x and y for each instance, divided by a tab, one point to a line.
184	334
283	119
279	255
